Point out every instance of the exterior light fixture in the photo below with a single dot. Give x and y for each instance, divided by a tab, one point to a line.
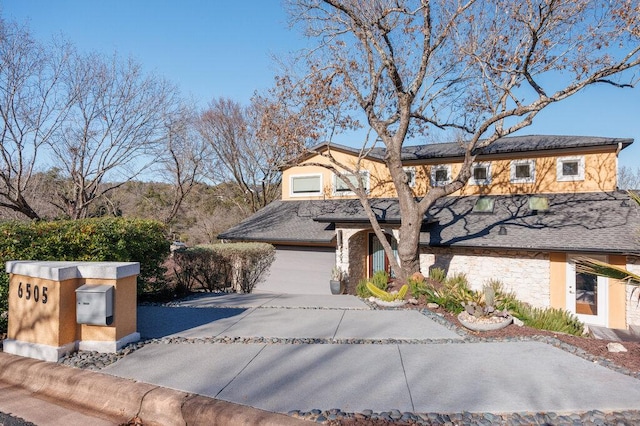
502	230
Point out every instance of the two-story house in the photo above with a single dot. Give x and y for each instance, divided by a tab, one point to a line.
533	203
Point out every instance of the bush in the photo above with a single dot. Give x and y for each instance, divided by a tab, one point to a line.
438	274
551	319
104	239
380	279
223	267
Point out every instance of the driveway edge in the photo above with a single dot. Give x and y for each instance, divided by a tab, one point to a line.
126	399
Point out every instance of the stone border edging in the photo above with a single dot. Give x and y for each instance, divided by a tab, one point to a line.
127	399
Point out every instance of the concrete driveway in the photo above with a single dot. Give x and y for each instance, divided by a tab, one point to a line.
283	352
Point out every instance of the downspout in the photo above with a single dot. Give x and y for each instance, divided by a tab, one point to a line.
618	149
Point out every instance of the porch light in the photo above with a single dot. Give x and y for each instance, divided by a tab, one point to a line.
502	230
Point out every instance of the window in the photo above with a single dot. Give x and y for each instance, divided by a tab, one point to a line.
483	205
569	169
341	188
480	174
440	175
523	171
306	185
411	176
539	204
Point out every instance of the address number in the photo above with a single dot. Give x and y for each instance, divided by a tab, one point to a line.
32	292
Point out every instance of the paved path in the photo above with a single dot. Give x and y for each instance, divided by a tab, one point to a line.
425	368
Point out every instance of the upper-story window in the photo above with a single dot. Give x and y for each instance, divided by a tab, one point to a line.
411	176
341	188
306	185
570	169
480	174
440	175
523	171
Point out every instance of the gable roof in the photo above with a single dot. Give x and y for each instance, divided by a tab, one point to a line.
506	145
587	222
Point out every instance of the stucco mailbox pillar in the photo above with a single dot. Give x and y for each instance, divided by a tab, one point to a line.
43	307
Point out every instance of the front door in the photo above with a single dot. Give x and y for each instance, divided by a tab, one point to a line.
587	296
378	260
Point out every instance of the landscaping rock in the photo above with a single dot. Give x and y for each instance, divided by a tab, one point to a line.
518	322
432	306
616	347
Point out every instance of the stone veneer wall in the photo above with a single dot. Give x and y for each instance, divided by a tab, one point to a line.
633	297
525	273
352	256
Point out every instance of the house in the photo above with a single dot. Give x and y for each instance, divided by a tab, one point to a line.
533	203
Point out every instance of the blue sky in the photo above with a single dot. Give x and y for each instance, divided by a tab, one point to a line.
214	48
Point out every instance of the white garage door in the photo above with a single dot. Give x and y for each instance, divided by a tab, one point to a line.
300	270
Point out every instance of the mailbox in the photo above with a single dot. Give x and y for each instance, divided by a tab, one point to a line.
94	304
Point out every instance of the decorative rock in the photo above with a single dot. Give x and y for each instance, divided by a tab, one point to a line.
517	322
413	301
616	347
431	305
483	323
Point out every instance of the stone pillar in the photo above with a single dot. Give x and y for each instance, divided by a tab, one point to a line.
42	308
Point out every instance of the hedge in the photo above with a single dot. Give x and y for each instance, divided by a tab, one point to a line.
103	239
222	267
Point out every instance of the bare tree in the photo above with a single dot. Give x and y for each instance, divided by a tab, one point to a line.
32	108
182	156
476	70
240	155
115	123
628	179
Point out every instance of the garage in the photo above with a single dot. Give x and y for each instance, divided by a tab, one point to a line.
300	270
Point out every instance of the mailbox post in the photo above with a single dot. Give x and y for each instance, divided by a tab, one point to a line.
59	307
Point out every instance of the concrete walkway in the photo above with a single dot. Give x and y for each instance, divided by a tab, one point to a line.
360	359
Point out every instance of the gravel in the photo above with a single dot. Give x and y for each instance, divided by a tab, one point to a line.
96	361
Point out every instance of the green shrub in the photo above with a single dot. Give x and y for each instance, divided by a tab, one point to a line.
223	267
103	239
380	279
438	274
362	290
551	319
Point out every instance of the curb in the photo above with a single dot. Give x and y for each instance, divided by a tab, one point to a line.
126	399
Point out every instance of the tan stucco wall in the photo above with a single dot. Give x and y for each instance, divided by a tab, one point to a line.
617	297
51	323
558	280
124	308
54	323
599	175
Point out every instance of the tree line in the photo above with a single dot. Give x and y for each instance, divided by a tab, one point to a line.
78	130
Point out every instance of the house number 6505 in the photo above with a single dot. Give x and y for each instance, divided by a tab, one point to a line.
34	292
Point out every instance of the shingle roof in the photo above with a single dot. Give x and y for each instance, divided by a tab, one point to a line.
597	222
284	221
592	222
506	145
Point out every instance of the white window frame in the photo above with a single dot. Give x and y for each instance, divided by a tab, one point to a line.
532	170
474	181
305	194
560	177
435	169
412	179
336	193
